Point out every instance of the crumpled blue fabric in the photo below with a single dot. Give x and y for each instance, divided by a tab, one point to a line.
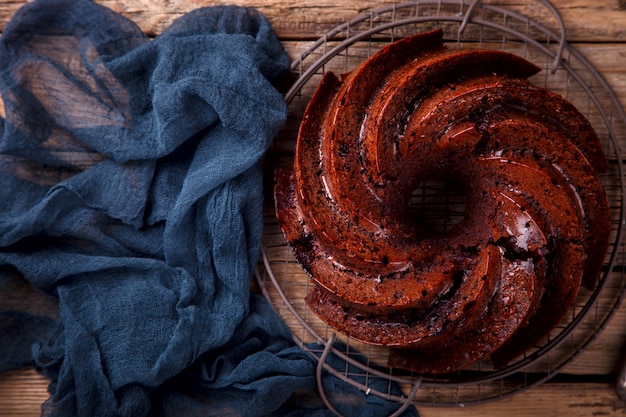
131	196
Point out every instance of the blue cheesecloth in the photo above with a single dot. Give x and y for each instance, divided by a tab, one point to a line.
131	217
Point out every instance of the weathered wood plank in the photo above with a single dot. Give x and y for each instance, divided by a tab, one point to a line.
22	393
599	27
551	400
589	21
597	21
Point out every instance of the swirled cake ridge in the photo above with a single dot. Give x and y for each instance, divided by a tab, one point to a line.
535	223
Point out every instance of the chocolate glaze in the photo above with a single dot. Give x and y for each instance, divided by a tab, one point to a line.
536	223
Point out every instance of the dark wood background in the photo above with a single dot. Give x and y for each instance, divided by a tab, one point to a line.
597	28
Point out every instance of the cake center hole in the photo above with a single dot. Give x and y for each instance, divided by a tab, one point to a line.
437	205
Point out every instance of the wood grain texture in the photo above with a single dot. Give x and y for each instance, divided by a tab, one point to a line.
600	21
597	28
551	400
23	391
596	21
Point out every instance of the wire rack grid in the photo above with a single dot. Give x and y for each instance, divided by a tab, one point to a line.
541	40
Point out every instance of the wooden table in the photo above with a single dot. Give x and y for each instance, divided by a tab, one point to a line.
598	29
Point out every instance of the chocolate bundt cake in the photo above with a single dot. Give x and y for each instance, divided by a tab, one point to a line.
536	218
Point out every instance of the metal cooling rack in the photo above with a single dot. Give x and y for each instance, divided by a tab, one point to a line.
566	72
